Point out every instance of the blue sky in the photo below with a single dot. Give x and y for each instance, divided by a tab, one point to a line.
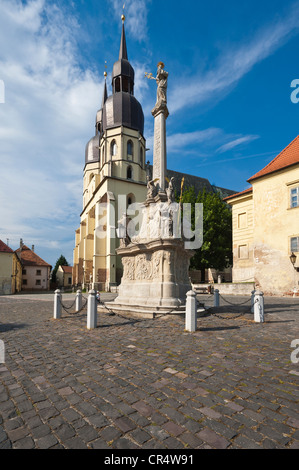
230	68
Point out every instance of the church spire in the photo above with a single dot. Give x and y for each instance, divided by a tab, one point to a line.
123	54
105	94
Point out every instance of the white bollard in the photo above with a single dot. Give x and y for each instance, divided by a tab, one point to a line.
78	300
259	307
191	312
57	304
252	301
92	310
216	297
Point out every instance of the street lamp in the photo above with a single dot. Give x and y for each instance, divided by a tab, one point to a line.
293	258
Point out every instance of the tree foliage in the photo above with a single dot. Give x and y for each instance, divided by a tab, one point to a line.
216	250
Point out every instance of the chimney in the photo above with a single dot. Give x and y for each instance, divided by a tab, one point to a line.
21	243
32	248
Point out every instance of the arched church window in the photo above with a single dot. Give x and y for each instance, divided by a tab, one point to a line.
113	148
130	199
129	173
130	150
117	85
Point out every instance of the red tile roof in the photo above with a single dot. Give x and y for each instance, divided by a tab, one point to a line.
5	248
288	157
29	258
67	269
249	190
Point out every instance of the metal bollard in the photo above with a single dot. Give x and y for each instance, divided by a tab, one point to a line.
78	300
92	310
191	312
57	304
259	307
216	298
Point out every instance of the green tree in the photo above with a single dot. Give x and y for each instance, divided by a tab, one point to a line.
216	250
60	262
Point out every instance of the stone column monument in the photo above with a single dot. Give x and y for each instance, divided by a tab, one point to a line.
155	262
160	113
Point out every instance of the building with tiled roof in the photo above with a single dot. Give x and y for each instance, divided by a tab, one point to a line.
64	277
10	271
285	160
36	271
266	226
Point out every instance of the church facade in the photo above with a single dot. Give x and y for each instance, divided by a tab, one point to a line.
114	177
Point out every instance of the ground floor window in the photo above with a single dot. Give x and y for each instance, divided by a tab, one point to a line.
295	197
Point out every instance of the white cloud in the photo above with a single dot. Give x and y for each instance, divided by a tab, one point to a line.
233	64
236	142
136	16
180	141
49	111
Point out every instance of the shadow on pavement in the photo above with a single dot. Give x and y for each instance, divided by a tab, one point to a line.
11	326
219	328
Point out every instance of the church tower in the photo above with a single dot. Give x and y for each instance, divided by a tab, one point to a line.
114	177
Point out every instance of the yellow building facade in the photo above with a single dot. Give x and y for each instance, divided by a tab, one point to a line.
266	226
10	271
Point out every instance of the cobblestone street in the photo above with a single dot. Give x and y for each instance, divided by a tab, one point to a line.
148	384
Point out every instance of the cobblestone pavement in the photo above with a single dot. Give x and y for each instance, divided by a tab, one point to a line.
148	384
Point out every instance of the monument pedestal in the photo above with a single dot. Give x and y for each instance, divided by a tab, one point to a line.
155	277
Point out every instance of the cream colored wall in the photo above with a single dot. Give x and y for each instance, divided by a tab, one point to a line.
63	277
242	222
271	223
6	271
31	278
104	256
275	224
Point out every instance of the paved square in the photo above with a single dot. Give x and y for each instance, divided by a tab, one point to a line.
148	384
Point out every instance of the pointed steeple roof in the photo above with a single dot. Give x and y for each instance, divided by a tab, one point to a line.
122	108
123	53
105	94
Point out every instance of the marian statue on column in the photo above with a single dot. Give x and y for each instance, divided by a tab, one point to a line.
161	80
